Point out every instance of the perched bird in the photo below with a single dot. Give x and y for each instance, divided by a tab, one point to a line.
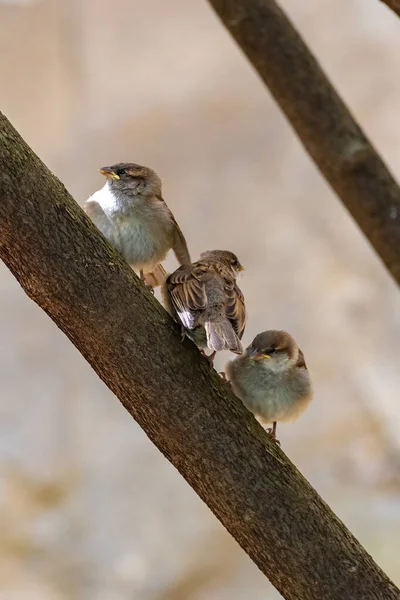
130	211
271	378
205	299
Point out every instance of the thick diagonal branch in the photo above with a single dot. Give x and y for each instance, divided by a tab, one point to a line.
67	268
321	120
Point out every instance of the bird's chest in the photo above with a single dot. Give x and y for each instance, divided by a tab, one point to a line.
141	236
266	394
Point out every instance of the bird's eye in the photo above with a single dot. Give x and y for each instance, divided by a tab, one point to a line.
270	351
122	172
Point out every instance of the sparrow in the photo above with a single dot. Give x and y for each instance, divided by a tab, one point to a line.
130	212
271	378
205	299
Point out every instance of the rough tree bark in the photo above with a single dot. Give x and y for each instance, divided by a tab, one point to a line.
394	5
66	266
321	120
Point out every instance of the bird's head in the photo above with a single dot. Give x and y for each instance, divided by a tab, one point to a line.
132	178
274	350
223	258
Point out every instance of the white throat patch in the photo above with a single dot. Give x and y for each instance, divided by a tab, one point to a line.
105	198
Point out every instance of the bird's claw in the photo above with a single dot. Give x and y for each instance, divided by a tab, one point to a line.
146	285
209	358
225	379
271	434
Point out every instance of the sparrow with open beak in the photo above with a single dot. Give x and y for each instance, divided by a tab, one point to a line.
206	300
130	211
271	378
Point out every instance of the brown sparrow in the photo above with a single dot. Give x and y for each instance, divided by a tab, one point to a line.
205	299
271	378
130	211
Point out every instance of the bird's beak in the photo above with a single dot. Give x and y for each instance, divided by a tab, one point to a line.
241	268
256	355
109	173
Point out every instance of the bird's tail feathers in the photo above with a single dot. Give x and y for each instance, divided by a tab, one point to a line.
221	336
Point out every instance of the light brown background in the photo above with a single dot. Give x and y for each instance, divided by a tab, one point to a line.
88	507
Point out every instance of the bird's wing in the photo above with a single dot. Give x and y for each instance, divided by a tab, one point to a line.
97	215
235	308
187	292
301	363
179	245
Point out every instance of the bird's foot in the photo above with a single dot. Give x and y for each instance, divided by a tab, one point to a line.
146	285
274	439
225	379
271	432
209	358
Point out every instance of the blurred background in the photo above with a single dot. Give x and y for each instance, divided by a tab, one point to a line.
89	509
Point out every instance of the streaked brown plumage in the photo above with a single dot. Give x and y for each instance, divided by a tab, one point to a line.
130	211
206	300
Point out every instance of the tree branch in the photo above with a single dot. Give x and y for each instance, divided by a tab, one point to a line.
394	5
65	265
321	120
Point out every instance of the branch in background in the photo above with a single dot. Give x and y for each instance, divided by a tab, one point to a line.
394	5
66	266
321	120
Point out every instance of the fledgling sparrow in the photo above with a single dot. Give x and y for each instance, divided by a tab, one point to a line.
130	211
206	300
271	378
